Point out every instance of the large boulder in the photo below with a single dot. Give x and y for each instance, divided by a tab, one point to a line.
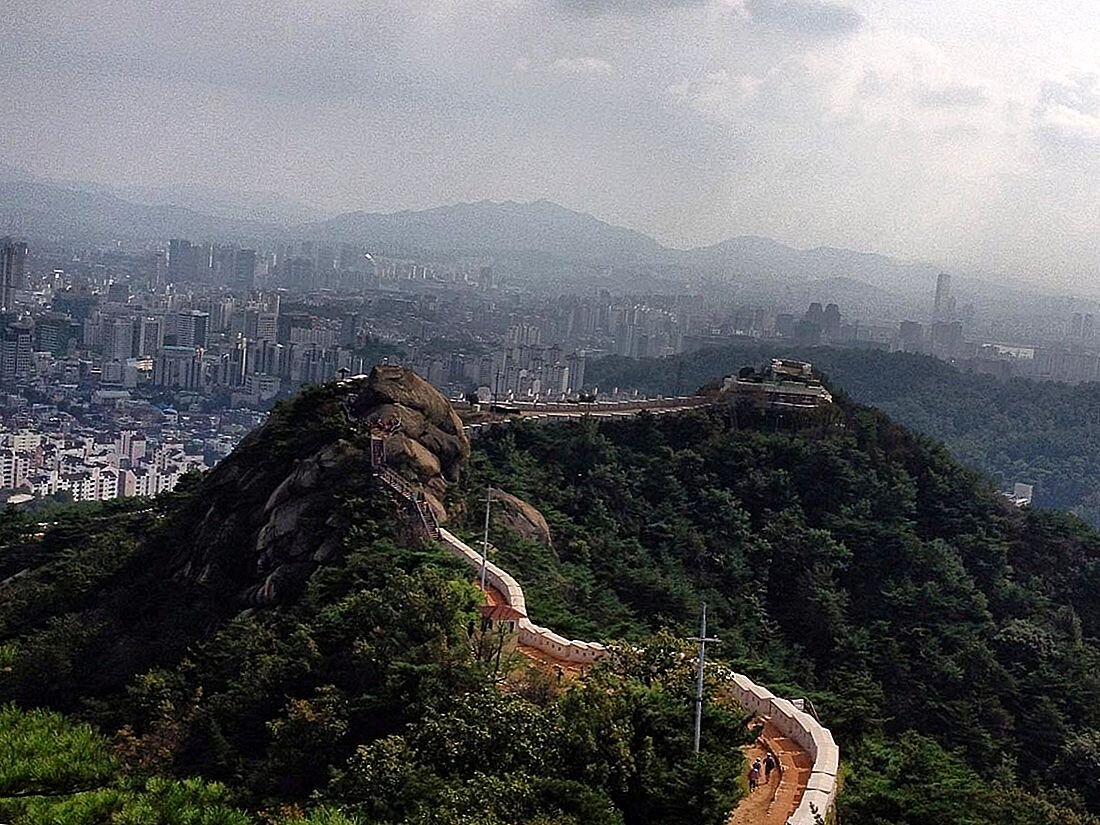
271	513
264	529
513	513
391	393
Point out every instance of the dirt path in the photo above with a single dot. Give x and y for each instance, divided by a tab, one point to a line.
769	804
773	803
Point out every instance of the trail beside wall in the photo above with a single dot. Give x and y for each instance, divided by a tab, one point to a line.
818	796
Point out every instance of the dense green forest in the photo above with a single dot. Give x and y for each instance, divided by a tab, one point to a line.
159	663
1041	433
950	641
134	691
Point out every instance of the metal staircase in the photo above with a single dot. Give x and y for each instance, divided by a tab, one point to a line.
414	497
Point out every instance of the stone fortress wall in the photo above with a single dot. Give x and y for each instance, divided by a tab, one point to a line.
542	639
407	418
820	794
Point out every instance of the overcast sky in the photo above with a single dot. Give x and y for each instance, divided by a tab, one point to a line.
965	131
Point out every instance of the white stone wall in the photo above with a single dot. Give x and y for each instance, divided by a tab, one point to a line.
540	638
799	726
810	735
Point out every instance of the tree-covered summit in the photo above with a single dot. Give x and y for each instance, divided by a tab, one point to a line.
844	558
1042	433
949	640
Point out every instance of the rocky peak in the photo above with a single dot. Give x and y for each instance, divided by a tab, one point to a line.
269	514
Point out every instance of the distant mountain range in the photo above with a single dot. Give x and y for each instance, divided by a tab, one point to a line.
43	209
39	210
484	226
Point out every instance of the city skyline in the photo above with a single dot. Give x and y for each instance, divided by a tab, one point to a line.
966	136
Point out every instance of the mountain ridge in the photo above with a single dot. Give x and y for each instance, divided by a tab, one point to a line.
39	208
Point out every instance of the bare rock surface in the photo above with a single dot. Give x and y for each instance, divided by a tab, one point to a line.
269	514
517	515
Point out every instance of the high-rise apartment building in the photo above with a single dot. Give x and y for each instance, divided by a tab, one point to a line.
148	335
192	327
244	271
181	260
13	255
16	351
178	367
53	331
118	338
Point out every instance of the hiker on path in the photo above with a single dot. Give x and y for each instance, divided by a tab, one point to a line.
769	766
754	776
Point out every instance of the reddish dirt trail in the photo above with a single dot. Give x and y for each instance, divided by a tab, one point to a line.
773	803
769	804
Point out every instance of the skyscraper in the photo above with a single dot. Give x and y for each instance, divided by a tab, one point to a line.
13	255
118	338
16	348
244	268
191	328
183	260
160	269
149	335
944	306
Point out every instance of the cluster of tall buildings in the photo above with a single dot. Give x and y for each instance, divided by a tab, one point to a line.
207	263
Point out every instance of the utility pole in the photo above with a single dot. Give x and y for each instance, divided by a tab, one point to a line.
485	543
702	640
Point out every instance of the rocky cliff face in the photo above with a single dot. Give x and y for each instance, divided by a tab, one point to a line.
277	508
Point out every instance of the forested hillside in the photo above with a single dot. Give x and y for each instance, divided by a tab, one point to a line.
274	644
950	641
1041	433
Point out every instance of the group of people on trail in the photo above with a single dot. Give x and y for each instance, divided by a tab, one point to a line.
762	770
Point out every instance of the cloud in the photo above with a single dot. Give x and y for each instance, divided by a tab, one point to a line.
808	17
954	96
1068	110
581	66
717	96
598	7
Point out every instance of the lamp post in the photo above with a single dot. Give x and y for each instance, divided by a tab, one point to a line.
702	640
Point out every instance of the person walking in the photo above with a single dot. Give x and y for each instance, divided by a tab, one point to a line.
754	777
770	765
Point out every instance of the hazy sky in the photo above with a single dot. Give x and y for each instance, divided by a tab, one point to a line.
964	131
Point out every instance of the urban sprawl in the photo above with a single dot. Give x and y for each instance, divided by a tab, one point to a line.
123	368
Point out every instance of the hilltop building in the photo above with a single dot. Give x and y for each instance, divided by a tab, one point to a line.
780	385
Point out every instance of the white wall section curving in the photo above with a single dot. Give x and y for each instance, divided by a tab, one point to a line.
818	797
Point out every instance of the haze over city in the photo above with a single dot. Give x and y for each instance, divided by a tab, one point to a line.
550	412
963	134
